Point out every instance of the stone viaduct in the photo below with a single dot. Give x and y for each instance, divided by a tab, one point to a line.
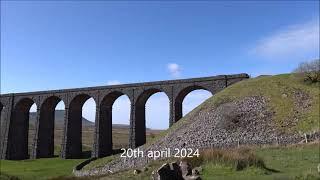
15	108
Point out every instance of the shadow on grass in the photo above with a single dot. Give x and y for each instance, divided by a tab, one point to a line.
271	170
116	151
86	154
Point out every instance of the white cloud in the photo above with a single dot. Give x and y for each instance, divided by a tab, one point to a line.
157	111
89	110
113	82
298	41
33	108
121	110
194	99
174	69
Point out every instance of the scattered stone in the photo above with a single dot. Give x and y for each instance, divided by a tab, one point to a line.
186	168
154	175
168	171
136	171
195	171
144	169
193	177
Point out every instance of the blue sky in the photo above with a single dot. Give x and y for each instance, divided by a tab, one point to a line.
53	45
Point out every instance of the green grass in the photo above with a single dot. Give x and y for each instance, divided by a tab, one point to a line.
38	169
293	162
280	163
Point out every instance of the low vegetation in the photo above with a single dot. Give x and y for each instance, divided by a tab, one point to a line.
238	159
37	169
309	70
270	162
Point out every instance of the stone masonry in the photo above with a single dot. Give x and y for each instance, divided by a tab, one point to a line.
15	108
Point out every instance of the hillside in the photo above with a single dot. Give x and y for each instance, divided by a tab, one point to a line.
59	119
264	110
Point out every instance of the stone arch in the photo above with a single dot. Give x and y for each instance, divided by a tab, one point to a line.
18	130
140	115
45	134
74	126
105	122
178	113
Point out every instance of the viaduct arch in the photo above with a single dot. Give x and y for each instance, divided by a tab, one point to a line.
15	108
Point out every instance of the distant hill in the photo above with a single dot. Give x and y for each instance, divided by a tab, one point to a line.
59	120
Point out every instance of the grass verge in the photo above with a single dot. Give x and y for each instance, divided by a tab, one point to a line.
45	168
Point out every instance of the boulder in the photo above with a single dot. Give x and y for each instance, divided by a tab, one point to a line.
186	168
144	169
136	171
197	170
168	171
193	177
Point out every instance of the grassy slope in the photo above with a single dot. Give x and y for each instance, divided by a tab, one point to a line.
271	87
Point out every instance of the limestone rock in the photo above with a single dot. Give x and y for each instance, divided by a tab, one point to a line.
136	171
193	177
168	171
144	169
185	167
196	171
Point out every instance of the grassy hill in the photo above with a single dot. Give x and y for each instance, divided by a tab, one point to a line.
282	106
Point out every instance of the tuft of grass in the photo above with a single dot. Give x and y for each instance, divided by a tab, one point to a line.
292	162
239	158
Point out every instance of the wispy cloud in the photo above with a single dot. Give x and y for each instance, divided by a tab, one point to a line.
174	69
296	40
113	82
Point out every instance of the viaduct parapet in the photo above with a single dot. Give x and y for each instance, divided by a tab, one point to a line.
15	109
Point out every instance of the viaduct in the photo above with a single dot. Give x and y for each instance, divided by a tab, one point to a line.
15	108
